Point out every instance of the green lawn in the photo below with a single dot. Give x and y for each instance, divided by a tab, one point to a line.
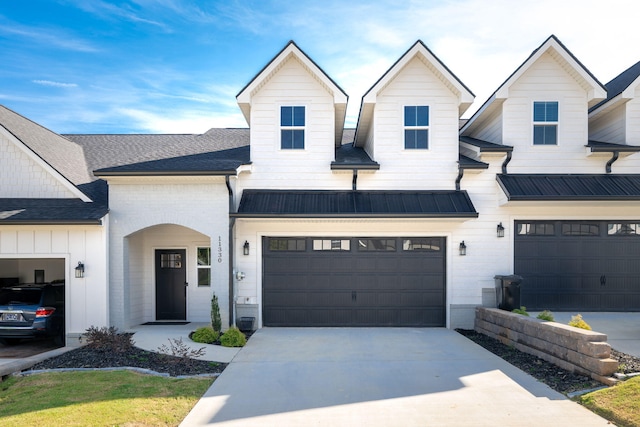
98	399
619	404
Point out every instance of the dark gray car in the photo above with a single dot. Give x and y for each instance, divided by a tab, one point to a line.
30	311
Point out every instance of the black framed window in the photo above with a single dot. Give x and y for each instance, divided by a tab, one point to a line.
292	124
545	123
416	127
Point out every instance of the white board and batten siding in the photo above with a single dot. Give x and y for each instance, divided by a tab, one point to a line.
61	248
431	169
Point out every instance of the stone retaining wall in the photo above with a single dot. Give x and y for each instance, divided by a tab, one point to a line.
574	349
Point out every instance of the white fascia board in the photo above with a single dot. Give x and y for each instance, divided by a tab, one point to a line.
46	166
596	91
244	97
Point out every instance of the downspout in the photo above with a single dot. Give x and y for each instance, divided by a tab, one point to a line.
459	178
354	181
232	221
615	156
506	162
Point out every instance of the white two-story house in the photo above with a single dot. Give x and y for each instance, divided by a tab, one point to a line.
297	221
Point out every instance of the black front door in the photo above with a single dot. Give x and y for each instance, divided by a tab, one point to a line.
171	284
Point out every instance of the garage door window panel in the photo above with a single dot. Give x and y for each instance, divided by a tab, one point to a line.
580	229
536	229
370	245
623	229
331	245
422	245
287	245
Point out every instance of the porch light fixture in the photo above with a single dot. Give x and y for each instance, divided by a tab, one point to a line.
463	249
80	270
245	248
500	230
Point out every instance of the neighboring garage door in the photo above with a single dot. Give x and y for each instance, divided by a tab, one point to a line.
578	265
353	281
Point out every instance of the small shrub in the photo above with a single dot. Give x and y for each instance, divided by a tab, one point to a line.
108	339
522	310
179	349
205	335
546	315
233	338
216	322
577	322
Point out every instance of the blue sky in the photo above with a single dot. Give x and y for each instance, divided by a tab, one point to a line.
175	66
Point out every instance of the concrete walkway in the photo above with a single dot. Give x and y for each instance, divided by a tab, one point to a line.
377	377
150	337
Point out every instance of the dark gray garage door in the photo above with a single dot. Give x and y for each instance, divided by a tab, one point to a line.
579	265
353	281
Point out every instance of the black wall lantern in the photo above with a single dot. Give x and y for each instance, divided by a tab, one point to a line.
500	230
80	270
463	249
245	248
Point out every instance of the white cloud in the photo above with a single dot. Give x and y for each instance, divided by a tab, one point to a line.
54	84
181	122
50	37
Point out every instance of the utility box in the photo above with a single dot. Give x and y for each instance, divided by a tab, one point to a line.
246	324
508	291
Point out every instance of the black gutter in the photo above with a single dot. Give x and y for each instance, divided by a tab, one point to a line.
166	173
355	216
459	177
506	162
232	221
51	222
615	156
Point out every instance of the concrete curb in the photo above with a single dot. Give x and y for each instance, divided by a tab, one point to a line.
27	362
121	368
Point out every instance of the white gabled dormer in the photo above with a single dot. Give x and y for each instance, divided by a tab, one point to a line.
541	111
408	123
296	114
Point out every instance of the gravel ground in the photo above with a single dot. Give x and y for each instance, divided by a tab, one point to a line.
548	373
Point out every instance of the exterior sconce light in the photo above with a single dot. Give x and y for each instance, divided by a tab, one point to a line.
500	230
463	249
80	270
245	248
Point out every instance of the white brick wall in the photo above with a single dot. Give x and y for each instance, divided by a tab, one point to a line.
148	214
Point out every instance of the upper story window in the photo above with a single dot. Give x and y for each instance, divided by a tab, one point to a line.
416	127
545	123
292	122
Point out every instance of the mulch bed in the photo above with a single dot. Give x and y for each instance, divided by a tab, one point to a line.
546	372
86	357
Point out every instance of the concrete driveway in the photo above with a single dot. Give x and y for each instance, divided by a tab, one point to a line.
377	377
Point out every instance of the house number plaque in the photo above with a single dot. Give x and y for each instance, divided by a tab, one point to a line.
219	250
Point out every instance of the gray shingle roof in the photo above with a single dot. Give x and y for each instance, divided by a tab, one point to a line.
485	146
108	151
224	162
350	157
50	211
355	204
619	83
570	187
60	153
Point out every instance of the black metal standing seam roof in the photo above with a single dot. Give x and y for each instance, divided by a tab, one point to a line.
570	187
355	204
